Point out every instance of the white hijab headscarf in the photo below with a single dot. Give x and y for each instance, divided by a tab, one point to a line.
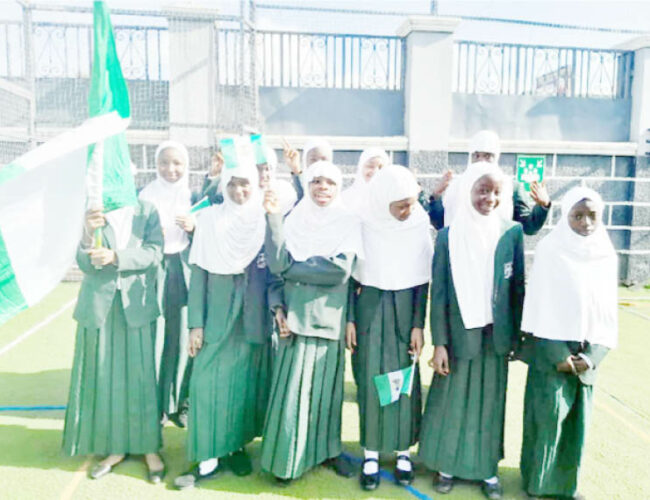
283	189
355	197
328	231
229	236
316	143
572	290
484	141
171	199
397	254
473	240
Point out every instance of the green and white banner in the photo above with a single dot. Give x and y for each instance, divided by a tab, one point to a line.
391	385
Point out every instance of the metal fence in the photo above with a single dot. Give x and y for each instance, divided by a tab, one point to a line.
509	69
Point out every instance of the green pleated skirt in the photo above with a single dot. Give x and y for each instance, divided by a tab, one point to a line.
113	406
557	407
174	366
462	426
303	422
224	401
394	427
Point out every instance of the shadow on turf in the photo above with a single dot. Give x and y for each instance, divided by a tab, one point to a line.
35	389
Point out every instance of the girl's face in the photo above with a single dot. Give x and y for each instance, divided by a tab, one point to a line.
583	218
265	175
171	165
482	156
239	190
314	155
402	209
322	191
486	194
370	168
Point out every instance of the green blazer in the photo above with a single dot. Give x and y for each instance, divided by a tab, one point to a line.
410	307
531	219
447	325
136	271
315	291
544	355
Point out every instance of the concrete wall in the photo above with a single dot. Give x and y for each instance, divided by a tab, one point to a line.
542	118
312	111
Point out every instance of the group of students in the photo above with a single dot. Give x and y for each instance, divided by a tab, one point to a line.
262	292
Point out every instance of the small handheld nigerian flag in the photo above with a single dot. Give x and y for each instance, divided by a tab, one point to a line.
237	151
110	179
200	205
259	146
393	384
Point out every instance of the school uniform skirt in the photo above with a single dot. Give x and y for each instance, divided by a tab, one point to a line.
557	407
462	426
303	422
113	405
172	359
224	414
380	350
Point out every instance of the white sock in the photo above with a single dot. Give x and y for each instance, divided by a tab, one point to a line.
492	480
403	464
207	466
446	476
370	467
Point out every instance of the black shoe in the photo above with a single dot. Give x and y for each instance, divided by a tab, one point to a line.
443	484
404	477
239	462
156	476
369	482
341	465
492	491
192	477
178	419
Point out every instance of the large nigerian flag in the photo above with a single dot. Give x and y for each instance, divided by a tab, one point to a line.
42	203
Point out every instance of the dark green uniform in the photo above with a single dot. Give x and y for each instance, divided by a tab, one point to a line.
384	320
557	408
113	405
303	423
462	426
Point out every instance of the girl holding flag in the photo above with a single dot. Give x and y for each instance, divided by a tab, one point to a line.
476	302
314	250
386	320
171	195
571	311
113	406
230	326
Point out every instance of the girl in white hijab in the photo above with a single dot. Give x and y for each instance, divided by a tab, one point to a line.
171	195
476	300
385	329
314	250
370	161
230	329
571	311
268	180
316	149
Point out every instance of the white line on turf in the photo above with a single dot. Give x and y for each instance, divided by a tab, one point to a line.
37	327
636	313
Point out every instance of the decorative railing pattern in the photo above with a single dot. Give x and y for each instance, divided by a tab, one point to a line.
509	69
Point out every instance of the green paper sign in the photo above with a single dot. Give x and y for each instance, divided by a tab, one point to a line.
229	152
530	169
258	145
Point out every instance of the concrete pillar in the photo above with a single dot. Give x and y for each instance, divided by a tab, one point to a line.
192	75
638	268
427	89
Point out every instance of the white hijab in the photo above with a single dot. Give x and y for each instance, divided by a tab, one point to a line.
397	253
572	290
316	143
229	236
283	189
473	240
328	231
484	141
355	197
171	199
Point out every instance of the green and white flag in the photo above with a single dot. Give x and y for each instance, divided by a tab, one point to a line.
200	205
237	151
42	204
393	384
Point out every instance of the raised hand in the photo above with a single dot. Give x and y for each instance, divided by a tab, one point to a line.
291	157
216	165
271	203
442	184
539	194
